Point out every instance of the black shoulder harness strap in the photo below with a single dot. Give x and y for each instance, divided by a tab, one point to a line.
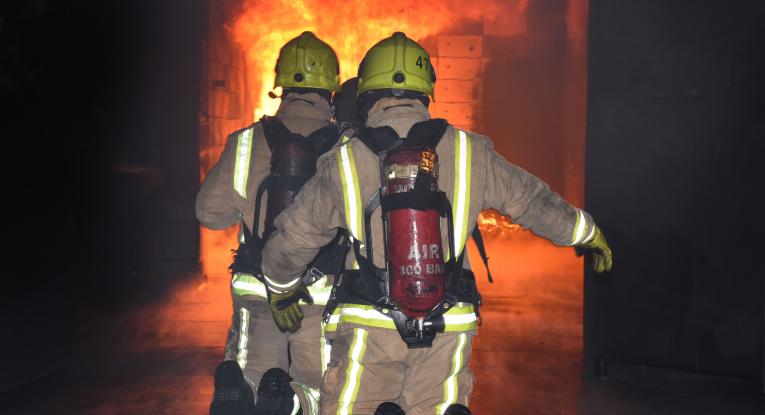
323	139
273	128
248	257
478	239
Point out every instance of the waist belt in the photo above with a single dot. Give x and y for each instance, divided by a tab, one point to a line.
357	287
462	317
362	298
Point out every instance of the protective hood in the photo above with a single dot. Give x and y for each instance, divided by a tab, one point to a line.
397	113
304	113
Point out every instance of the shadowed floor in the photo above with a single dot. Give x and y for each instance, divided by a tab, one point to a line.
159	358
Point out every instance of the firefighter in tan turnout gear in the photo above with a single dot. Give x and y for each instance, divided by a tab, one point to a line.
261	169
409	189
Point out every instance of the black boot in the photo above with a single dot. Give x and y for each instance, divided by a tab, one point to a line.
389	408
457	409
275	395
233	396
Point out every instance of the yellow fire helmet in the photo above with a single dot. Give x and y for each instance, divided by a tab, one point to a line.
307	62
397	62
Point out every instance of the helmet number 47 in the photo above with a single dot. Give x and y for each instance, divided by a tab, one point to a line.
419	63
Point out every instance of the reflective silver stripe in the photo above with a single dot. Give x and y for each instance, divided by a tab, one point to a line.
451	385
319	298
326	348
295	405
350	186
460	318
281	288
313	397
579	228
351	192
462	166
244	327
590	235
320	291
310	396
249	288
353	373
242	163
247	284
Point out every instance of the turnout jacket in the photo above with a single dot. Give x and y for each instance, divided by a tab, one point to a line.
227	195
471	173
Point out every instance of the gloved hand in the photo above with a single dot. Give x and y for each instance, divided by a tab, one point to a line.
600	250
285	308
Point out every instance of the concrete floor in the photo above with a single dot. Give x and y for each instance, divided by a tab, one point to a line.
159	358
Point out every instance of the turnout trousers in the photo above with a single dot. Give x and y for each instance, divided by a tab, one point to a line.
371	365
257	344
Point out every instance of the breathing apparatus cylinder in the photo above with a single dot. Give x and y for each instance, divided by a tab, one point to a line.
413	237
293	161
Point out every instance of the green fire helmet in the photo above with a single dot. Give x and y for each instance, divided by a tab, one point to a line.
307	62
397	62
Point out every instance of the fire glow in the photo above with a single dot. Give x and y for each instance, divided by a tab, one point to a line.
536	297
350	27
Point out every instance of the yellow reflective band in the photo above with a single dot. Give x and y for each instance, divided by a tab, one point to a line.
247	284
242	163
451	387
351	193
320	291
461	200
354	372
326	348
244	337
460	318
365	315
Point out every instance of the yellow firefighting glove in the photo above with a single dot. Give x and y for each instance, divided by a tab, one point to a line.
285	308
601	252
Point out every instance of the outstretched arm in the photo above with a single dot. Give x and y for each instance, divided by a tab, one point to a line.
532	204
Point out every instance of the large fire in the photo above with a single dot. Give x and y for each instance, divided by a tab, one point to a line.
351	27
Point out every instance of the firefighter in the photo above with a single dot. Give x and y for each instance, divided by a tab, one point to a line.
409	189
261	169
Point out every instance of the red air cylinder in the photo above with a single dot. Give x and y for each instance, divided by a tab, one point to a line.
413	242
293	157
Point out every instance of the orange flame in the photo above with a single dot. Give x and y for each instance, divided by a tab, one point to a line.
351	27
494	224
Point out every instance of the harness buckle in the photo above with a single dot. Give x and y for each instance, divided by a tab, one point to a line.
417	332
312	275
